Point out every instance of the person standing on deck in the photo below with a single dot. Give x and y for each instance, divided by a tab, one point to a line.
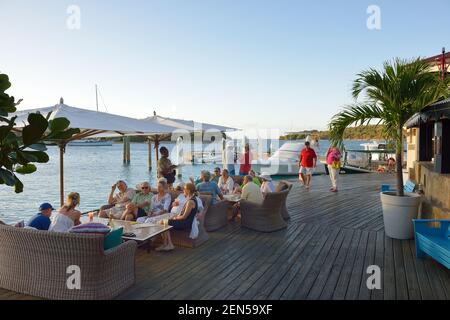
229	160
334	166
245	161
165	167
307	164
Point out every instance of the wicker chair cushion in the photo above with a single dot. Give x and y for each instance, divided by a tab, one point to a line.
97	228
113	239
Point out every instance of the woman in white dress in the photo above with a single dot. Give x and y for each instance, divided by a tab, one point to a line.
67	216
267	185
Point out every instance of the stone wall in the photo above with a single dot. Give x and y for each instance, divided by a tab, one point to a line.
436	188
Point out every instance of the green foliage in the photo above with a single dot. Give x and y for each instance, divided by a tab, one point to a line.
19	152
390	97
369	132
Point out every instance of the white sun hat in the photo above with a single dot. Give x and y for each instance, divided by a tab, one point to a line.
265	176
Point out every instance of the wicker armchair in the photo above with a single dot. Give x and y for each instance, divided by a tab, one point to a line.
284	185
265	217
35	263
181	238
217	215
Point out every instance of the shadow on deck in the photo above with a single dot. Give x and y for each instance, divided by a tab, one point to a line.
323	254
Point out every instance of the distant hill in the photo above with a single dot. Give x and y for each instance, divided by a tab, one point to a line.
370	132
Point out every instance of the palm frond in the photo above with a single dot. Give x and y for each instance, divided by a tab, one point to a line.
356	114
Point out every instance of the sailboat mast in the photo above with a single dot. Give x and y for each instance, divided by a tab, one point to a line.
96	96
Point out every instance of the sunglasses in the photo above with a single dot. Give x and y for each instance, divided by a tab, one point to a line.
144	187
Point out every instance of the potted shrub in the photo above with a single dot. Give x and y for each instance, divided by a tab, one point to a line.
390	97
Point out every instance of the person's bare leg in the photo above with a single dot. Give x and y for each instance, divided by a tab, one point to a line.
167	242
308	180
169	245
303	178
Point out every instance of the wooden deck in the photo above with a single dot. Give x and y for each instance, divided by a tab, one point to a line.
323	254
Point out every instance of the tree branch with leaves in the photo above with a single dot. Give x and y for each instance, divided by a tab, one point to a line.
21	149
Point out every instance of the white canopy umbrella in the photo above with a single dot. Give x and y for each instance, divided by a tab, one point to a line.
92	124
188	126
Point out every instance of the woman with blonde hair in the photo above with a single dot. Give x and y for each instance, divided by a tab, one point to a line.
184	220
67	216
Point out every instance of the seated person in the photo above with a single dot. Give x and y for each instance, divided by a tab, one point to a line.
226	183
237	188
160	202
255	178
184	220
251	192
267	186
208	186
216	175
140	205
180	201
117	203
41	221
67	216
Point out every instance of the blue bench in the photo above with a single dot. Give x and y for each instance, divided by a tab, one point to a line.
432	239
409	186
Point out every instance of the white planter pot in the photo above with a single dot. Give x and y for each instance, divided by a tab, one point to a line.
398	213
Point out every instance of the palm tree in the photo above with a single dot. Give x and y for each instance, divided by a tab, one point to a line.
390	97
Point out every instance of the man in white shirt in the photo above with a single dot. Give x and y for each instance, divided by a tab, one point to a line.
251	192
226	183
229	159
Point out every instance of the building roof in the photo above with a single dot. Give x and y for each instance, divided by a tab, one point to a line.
433	112
438	58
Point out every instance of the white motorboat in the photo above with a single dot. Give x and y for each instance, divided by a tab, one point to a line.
90	143
374	146
284	162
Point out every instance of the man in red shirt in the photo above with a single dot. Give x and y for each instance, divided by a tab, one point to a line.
307	163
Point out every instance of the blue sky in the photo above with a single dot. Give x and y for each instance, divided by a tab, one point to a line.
250	64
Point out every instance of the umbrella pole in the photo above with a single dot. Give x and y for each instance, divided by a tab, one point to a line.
128	150
124	150
157	154
62	149
149	154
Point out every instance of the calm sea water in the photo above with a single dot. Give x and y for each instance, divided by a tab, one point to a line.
91	171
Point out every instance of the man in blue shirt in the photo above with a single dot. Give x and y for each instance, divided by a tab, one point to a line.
41	221
209	186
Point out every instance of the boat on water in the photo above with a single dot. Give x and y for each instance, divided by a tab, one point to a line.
90	143
372	157
284	162
376	146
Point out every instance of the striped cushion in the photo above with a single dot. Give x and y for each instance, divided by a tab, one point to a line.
97	228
